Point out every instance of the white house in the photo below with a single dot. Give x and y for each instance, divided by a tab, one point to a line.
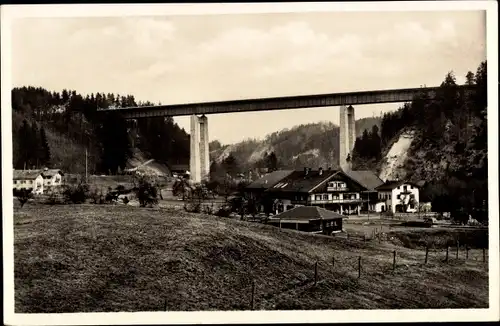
52	177
395	196
28	179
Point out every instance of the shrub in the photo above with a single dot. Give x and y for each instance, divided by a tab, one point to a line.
96	196
76	194
111	196
208	209
126	200
23	195
52	198
223	212
147	193
192	207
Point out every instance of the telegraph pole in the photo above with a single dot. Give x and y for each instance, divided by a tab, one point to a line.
86	154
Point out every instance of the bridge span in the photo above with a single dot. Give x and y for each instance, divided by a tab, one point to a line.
280	103
199	163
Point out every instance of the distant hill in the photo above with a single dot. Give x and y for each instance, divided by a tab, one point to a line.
312	145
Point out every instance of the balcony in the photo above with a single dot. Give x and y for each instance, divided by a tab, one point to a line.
336	189
338	201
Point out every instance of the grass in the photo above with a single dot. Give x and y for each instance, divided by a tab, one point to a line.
94	258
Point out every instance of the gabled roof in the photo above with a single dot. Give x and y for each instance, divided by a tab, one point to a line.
50	173
307	213
299	181
270	179
389	185
366	178
26	174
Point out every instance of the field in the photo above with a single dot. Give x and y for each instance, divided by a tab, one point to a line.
95	258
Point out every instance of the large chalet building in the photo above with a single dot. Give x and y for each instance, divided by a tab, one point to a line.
331	189
343	192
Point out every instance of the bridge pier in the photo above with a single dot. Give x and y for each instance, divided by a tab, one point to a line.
347	136
199	160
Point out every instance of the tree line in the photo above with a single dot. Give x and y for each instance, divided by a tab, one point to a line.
449	150
108	137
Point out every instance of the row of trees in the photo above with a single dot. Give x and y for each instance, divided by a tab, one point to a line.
449	149
35	151
75	117
369	145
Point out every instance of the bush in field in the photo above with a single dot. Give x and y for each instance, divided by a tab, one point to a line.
52	198
23	195
111	196
223	212
96	196
146	192
76	194
126	200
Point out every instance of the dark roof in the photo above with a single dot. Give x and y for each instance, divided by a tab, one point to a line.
270	179
307	213
49	173
26	174
298	181
389	185
366	178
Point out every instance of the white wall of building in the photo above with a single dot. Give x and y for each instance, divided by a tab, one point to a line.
35	184
55	180
398	197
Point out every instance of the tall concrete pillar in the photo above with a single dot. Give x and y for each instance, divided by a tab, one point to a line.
347	135
194	154
204	152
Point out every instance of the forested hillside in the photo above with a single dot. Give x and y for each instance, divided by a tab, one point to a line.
56	128
312	145
449	148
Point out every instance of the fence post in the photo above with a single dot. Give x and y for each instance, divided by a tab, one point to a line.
447	250
394	261
315	273
165	304
359	267
364	237
426	254
466	252
458	246
484	255
253	294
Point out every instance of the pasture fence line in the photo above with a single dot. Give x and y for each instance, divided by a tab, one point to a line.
358	265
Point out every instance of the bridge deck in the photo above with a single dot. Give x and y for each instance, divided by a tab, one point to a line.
281	103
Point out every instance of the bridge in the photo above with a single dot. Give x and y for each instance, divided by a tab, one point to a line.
199	157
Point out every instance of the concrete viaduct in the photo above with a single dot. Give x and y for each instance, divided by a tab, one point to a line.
199	162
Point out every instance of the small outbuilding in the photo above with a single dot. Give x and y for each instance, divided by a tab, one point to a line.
312	219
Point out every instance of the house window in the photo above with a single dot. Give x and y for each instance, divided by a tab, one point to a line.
318	197
325	197
399	196
405	188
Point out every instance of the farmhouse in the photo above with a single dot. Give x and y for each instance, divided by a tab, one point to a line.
370	181
257	188
398	196
330	189
309	219
52	178
28	179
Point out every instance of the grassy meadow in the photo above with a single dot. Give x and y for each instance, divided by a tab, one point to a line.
110	258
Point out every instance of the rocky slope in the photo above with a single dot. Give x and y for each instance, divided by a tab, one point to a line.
313	145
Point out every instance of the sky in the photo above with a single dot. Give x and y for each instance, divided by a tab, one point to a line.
185	59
